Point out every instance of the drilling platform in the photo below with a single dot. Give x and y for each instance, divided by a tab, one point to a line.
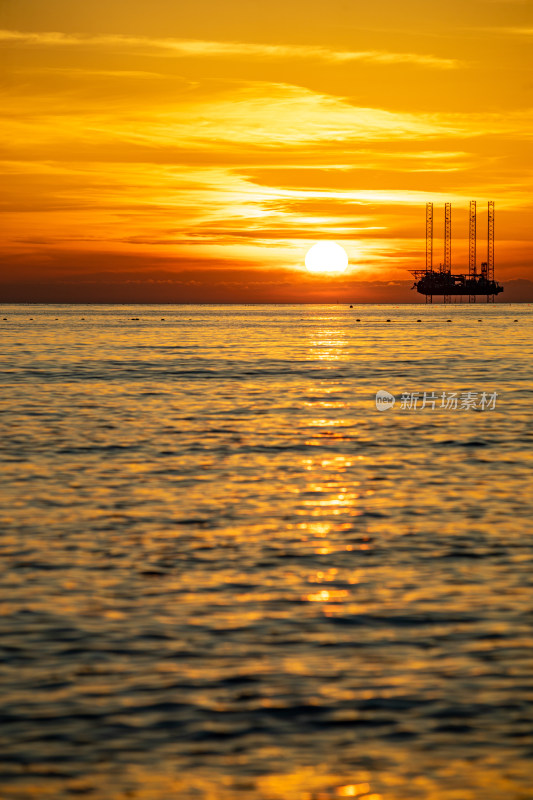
430	282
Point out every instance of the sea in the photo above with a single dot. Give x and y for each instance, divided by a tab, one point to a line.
227	574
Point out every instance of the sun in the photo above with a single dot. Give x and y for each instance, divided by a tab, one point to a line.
326	258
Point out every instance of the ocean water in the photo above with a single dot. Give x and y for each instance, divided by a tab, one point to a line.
226	574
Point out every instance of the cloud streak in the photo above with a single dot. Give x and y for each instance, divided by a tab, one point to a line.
197	48
519	31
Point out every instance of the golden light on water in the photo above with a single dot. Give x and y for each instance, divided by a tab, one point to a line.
283	582
353	790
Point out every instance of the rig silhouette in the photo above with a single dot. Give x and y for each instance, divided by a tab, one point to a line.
443	282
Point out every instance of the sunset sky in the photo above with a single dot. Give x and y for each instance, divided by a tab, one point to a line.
167	151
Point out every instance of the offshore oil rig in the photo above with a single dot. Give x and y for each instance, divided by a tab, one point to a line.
442	281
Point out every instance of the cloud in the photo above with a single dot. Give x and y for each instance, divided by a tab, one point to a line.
260	114
284	115
509	31
517	31
194	48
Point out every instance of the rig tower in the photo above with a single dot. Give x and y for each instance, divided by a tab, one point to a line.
490	240
429	237
472	240
446	267
447	238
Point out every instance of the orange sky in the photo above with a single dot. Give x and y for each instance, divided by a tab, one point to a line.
193	152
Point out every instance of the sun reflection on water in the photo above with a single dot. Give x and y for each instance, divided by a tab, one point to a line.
228	576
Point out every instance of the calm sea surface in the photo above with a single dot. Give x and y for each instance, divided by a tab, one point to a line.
227	575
